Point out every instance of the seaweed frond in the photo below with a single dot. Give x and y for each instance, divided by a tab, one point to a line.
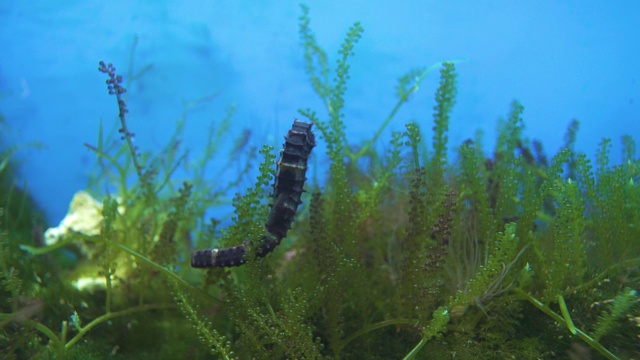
616	312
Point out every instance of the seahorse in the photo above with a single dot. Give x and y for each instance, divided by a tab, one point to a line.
291	169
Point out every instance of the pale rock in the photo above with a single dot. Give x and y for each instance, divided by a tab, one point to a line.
84	216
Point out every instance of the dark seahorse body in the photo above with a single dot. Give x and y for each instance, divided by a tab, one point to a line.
287	190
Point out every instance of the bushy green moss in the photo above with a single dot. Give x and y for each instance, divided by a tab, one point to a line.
414	255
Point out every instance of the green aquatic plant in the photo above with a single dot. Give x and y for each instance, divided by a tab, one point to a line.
407	254
613	317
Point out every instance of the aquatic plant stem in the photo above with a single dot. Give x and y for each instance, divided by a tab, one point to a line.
57	344
46	249
416	349
122	172
376	326
106	317
61	345
63	331
107	276
402	99
565	314
582	335
162	269
115	88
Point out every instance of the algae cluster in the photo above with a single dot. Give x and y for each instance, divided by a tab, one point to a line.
402	253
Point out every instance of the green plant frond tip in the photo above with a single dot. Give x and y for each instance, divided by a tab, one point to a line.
616	312
435	329
445	100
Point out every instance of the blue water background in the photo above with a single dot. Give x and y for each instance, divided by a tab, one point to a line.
561	59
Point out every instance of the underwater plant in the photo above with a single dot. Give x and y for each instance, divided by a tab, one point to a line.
399	253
